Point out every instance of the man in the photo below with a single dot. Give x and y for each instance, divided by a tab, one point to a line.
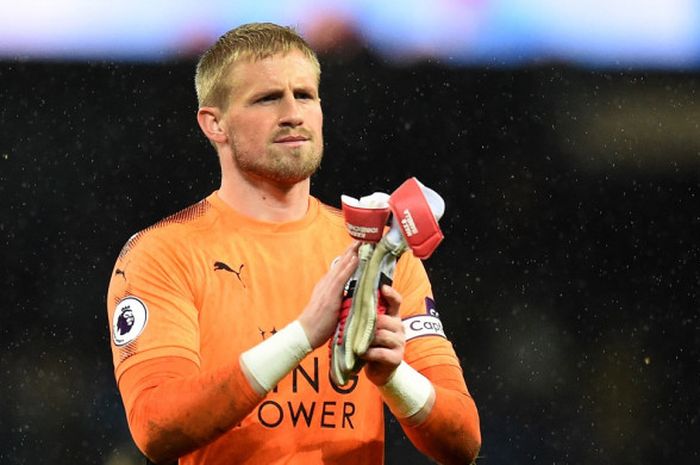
235	298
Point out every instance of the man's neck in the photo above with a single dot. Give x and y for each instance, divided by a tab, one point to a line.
264	200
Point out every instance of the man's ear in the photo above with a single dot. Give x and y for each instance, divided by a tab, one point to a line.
209	119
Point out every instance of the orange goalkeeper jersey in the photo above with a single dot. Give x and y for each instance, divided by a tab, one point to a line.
207	284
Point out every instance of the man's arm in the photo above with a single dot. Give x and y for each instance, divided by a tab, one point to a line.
433	406
435	411
173	408
449	432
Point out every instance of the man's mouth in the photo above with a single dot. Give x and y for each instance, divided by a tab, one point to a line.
293	141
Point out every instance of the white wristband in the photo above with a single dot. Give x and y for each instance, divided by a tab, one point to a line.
407	391
271	360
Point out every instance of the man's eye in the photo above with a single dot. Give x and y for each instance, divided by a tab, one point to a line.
303	95
268	98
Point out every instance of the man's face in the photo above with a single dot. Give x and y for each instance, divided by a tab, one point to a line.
274	119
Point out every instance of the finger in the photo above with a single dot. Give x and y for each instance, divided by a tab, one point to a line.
352	248
390	323
392	298
349	252
383	355
347	266
387	339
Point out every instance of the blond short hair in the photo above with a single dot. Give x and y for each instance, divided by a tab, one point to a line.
254	41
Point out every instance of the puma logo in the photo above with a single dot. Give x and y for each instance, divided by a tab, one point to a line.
223	266
263	332
118	272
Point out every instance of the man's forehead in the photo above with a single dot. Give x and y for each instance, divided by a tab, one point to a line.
298	65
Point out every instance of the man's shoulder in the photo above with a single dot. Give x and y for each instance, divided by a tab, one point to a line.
173	231
191	217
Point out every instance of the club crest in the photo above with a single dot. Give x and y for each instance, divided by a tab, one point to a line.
129	320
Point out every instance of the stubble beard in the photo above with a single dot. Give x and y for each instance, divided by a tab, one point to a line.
281	166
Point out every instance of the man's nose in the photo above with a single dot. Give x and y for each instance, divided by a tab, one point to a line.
290	112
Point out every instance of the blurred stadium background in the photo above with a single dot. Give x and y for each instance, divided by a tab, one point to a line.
563	134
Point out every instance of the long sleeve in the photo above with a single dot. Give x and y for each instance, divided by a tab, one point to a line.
450	434
173	409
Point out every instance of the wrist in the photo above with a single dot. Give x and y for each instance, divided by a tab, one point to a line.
407	392
308	329
271	360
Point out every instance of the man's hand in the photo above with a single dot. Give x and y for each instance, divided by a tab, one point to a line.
320	316
385	353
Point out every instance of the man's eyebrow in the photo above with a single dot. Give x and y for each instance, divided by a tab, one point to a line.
274	91
311	90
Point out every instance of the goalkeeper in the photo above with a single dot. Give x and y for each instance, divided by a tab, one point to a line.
221	315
